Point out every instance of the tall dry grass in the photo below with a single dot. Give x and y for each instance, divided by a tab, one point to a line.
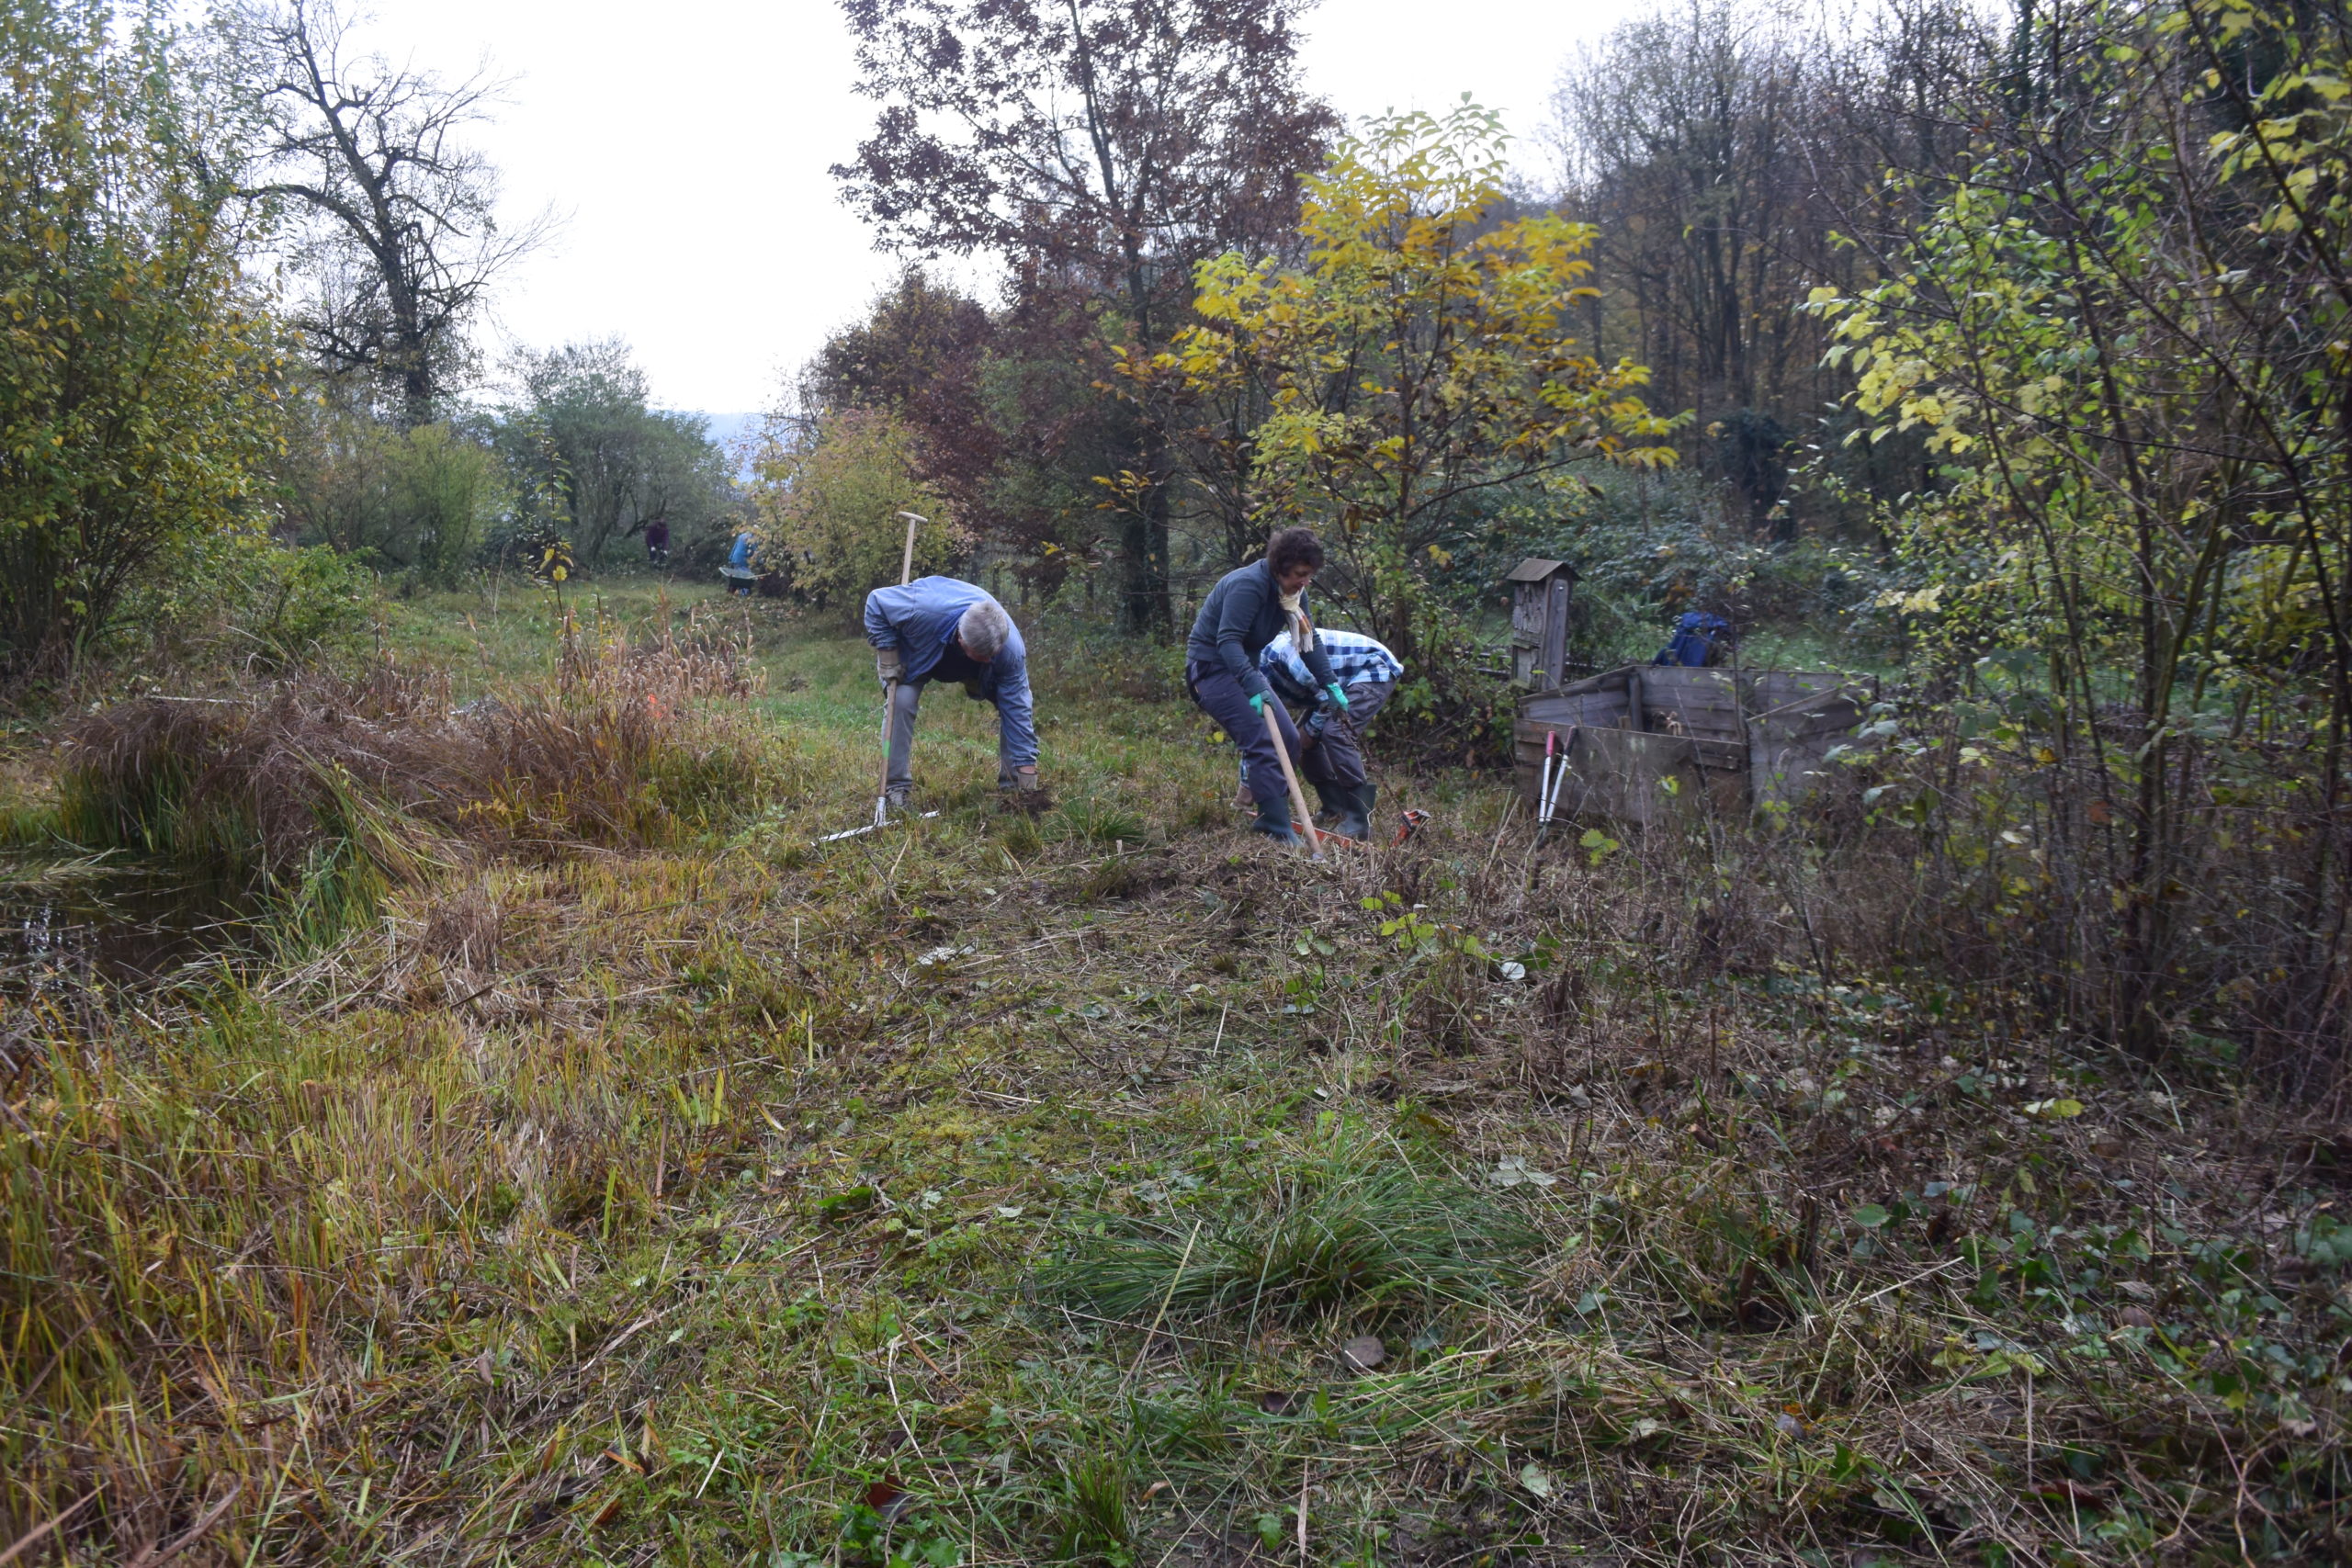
316	794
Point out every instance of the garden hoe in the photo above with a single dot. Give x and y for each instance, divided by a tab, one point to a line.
890	703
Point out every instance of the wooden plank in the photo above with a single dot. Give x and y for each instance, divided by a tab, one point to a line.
1703	707
1624	775
1769	689
1602	709
1556	632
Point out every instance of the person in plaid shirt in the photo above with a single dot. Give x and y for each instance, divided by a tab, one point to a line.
1333	756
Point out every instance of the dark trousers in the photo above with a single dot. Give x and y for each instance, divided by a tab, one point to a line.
1222	698
1337	759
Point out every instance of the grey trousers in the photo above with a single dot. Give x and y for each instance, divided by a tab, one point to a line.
904	700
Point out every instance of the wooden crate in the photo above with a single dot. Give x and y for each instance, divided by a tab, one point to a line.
1599	702
1740	740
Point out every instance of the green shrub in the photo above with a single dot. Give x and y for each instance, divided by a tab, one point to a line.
243	602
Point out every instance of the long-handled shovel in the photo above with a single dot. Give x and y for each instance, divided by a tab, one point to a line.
890	704
890	687
1307	830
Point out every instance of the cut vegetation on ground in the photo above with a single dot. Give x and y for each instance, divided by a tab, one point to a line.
605	1175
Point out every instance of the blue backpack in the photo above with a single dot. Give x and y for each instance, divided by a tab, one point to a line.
1694	641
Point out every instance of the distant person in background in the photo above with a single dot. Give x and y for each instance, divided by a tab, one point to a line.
741	576
1697	642
1248	608
657	542
1331	734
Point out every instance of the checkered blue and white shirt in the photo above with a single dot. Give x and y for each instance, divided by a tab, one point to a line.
1355	659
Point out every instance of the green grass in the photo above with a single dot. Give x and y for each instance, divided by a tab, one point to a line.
1351	1225
718	1198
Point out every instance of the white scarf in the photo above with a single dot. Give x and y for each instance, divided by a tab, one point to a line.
1302	629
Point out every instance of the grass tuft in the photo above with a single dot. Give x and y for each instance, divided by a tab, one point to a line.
312	799
1100	822
1095	1524
1358	1226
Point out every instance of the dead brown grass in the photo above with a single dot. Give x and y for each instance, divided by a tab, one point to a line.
630	745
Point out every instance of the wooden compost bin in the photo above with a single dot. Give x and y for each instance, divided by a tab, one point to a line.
1658	743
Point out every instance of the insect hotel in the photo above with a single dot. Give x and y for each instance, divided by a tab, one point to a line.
1652	743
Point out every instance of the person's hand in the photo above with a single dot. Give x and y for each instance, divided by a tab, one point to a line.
1258	702
886	665
1339	695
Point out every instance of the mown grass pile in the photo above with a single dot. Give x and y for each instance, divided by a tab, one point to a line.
1005	1189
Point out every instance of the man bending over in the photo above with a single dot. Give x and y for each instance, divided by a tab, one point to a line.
938	628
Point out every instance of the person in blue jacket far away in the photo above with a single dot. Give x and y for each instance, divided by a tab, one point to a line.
938	628
741	576
1693	644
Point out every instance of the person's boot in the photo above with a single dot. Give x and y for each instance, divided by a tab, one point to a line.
896	796
1355	818
1337	802
1273	820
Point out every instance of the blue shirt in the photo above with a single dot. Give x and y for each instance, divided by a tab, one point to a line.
1354	658
918	620
741	554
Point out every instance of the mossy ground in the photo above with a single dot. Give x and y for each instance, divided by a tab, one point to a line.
741	1201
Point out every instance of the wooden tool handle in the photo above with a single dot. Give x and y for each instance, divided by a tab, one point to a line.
1305	819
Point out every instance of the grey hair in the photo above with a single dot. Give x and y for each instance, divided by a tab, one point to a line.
984	630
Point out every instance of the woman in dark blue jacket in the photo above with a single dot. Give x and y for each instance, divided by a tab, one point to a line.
1246	610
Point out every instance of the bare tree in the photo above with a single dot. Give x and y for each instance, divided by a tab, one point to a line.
399	237
1732	153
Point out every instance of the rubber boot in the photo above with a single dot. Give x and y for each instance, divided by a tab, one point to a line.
1273	820
1336	803
1355	818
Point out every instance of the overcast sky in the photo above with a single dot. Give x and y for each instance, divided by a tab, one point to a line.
687	144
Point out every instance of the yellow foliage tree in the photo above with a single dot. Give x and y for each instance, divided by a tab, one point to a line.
832	509
1420	359
136	374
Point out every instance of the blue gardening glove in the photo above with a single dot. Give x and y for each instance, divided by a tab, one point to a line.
1339	695
1258	704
